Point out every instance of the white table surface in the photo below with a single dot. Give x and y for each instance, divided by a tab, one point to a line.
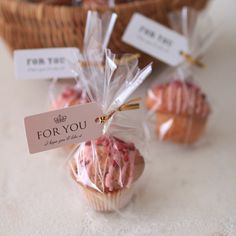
184	191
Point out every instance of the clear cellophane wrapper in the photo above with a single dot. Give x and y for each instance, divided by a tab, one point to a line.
69	92
178	108
107	168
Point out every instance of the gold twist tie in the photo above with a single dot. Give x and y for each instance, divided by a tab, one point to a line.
130	105
191	60
126	59
121	61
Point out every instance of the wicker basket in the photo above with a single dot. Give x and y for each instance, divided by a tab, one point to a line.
29	25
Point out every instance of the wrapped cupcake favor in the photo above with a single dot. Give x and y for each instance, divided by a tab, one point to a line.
107	168
178	107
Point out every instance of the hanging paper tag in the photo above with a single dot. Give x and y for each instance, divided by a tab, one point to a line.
44	63
155	39
57	128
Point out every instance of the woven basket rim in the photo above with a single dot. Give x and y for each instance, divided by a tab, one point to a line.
118	7
39	25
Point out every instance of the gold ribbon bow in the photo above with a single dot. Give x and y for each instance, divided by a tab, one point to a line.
130	105
191	60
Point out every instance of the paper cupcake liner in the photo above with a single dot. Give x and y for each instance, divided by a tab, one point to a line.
106	202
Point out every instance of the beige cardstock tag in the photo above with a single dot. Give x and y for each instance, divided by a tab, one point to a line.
57	128
155	39
44	63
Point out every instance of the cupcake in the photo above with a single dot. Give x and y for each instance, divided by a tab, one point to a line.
69	97
181	110
106	171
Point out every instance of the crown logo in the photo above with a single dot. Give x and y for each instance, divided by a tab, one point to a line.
60	119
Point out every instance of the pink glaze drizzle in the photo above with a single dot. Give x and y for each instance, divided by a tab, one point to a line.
182	97
120	156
